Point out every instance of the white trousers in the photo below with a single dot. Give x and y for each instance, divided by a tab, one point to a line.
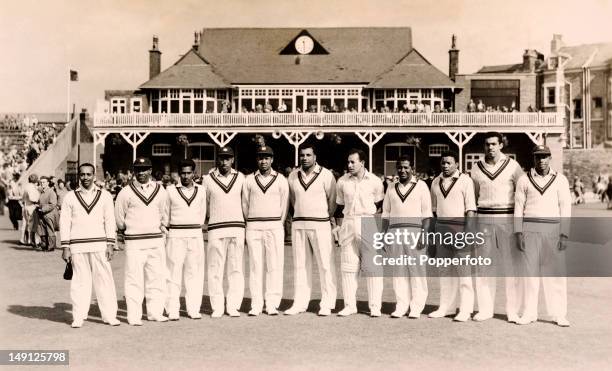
409	282
455	280
542	258
500	247
185	261
145	276
268	245
92	268
305	242
350	262
219	249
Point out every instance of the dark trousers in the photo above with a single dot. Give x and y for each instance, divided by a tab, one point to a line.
15	213
46	230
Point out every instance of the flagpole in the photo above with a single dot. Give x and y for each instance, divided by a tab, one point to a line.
68	99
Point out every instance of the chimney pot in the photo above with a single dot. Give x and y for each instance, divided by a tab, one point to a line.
154	59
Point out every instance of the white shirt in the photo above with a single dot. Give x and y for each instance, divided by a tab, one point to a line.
359	196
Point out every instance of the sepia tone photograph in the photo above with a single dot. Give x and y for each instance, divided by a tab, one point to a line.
307	184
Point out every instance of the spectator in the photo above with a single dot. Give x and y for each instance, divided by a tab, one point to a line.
48	216
578	191
14	195
60	190
31	195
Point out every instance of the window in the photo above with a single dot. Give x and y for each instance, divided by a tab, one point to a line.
198	93
578	109
221	94
286	92
379	94
339	92
164	93
118	105
174	93
438	93
273	92
210	93
326	92
136	105
312	92
597	108
353	92
247	92
550	96
161	150
203	154
401	93
471	159
435	150
426	93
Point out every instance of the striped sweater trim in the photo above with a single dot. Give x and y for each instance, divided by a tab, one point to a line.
264	219
450	221
143	236
185	226
405	225
226	225
310	219
494	210
86	240
541	220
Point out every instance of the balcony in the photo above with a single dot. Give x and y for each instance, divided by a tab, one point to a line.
244	122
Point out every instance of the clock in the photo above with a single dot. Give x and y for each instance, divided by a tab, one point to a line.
304	45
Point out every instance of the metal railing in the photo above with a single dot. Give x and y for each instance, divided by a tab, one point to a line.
229	120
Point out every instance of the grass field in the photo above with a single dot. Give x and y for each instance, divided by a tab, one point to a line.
37	315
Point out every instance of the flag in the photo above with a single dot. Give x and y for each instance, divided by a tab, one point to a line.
74	75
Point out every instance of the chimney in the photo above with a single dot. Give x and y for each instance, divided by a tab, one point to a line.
453	59
196	41
154	59
529	60
556	44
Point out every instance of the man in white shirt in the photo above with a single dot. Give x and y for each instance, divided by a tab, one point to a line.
452	199
31	195
407	207
225	234
87	229
313	197
542	211
265	196
186	211
140	213
495	180
359	193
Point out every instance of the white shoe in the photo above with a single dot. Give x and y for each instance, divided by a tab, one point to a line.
157	318
480	316
398	313
195	316
113	322
217	314
347	311
135	323
563	322
173	317
293	311
439	313
462	317
526	320
272	311
77	324
414	315
375	313
254	313
323	312
233	313
513	318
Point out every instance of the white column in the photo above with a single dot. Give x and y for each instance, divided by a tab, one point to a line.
460	138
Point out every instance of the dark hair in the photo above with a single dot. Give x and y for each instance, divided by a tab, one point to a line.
401	159
452	154
187	163
494	134
86	164
60	181
359	152
45	178
307	145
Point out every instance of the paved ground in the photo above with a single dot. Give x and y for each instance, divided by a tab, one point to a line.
36	315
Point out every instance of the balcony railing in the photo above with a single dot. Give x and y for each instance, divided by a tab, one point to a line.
259	120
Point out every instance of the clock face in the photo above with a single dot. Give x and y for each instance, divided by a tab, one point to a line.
304	44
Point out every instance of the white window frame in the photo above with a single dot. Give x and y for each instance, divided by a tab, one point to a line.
118	102
439	148
134	100
161	150
545	94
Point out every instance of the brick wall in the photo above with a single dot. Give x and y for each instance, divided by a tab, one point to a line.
586	163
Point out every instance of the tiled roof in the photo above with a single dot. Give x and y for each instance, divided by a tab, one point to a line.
252	55
503	68
190	71
582	53
412	71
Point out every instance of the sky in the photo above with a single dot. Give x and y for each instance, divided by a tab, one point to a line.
107	42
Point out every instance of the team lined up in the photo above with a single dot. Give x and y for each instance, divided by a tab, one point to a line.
164	241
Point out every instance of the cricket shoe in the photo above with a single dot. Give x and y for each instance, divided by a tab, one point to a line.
77	324
272	311
113	322
562	321
480	316
526	320
254	312
195	316
157	318
293	311
375	313
217	314
440	313
398	313
233	313
462	317
347	311
323	312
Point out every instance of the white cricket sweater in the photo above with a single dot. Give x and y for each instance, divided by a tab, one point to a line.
186	210
139	211
407	206
224	204
310	195
494	186
87	220
265	200
541	201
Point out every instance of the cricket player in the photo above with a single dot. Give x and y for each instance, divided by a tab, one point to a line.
313	197
407	206
359	193
495	180
87	230
139	212
225	234
542	210
265	197
186	213
453	202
